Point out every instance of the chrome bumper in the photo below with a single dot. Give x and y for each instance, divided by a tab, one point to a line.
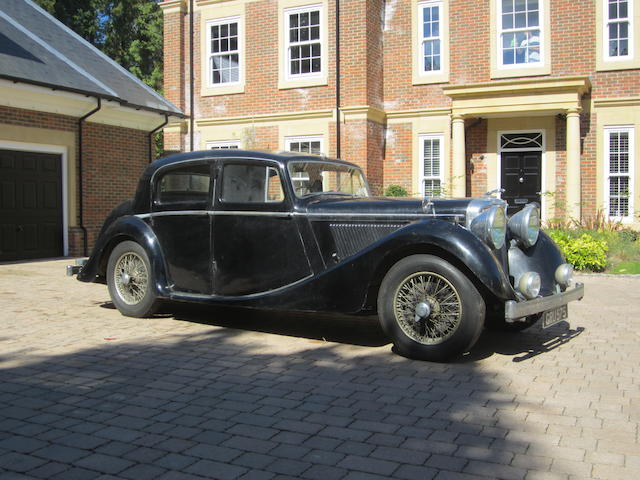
513	309
75	269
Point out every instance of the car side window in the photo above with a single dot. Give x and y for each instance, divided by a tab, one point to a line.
251	184
186	186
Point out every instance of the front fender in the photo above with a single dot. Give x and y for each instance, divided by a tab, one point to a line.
459	243
126	228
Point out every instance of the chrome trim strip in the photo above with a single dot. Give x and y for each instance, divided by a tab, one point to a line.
513	309
376	215
178	295
327	215
213	213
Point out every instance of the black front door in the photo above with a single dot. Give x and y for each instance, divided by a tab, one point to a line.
521	179
30	205
257	245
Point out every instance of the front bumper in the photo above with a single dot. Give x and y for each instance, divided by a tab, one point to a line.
514	310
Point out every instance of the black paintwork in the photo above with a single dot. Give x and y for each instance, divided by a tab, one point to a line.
321	253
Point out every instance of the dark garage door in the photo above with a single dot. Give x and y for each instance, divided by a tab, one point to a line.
30	205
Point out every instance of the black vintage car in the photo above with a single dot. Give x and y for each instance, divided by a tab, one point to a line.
299	232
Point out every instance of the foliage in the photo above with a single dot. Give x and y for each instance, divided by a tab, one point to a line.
128	31
396	191
628	267
583	251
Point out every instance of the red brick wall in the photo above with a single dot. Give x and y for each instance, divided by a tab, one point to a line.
397	164
113	159
476	146
376	70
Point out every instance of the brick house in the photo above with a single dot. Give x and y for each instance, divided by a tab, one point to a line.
540	98
75	134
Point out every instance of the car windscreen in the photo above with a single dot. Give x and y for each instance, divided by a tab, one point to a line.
313	178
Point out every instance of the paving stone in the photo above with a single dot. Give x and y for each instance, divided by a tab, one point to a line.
104	463
324	472
367	464
217	470
18	462
18	443
142	472
61	453
414	472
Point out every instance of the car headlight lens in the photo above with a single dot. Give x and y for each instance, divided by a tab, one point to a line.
491	226
564	274
525	225
529	284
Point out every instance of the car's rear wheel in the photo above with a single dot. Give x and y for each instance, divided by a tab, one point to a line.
130	280
429	308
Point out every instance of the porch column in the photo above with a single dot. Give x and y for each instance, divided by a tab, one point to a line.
458	172
573	183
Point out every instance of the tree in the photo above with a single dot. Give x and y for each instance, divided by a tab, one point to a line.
128	31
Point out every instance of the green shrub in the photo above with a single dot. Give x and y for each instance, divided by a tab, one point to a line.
627	235
583	252
396	191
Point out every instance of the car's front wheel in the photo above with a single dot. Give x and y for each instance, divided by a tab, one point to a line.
429	308
129	279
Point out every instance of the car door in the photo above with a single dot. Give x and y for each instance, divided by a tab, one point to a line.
256	242
182	223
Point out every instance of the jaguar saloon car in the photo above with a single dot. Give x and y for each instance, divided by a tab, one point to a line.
298	232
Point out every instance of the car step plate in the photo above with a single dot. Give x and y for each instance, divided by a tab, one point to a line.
551	317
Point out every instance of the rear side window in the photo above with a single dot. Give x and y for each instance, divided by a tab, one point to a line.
186	186
251	184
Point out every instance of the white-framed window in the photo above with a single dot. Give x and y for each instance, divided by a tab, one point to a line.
303	42
520	33
619	161
430	37
223	49
224	144
431	165
308	144
618	29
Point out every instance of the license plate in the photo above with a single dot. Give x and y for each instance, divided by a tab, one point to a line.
551	317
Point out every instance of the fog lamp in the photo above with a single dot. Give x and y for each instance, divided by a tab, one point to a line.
564	274
529	284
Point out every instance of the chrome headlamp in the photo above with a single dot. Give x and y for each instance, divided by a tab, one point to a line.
564	274
525	225
491	226
529	284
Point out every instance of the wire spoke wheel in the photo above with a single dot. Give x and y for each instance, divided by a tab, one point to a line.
131	278
427	307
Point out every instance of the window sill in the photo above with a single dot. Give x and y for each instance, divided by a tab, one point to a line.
429	78
524	71
207	91
302	82
617	64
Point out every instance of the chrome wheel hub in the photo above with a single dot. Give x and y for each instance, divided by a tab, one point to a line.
131	278
427	307
423	310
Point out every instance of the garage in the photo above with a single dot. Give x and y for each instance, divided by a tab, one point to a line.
31	207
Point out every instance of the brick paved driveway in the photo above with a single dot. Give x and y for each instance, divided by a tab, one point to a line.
86	393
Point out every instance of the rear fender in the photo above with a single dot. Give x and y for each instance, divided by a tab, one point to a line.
122	229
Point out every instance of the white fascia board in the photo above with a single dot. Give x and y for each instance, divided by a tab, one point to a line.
43	99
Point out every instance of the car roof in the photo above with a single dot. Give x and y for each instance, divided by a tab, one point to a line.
281	157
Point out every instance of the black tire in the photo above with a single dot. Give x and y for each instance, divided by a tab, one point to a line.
457	309
130	280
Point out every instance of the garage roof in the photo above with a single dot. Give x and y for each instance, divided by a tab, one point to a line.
38	49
